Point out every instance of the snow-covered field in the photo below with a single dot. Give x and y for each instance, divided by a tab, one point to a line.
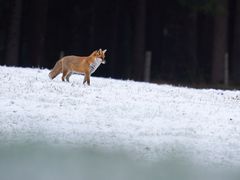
147	120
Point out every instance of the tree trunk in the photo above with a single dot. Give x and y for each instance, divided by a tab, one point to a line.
13	40
139	40
38	32
220	40
192	46
114	41
92	26
205	47
236	46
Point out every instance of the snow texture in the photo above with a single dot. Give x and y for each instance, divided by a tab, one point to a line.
148	120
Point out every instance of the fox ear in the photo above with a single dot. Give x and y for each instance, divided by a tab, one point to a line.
100	50
104	51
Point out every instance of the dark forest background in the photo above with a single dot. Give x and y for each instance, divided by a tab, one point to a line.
188	41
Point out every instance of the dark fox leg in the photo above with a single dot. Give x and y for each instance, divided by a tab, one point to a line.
64	75
87	78
68	76
84	81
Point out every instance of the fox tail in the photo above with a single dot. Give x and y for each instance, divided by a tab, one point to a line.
57	69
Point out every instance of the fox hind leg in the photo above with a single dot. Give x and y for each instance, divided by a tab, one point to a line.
68	76
64	75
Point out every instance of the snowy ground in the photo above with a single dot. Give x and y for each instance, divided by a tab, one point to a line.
147	120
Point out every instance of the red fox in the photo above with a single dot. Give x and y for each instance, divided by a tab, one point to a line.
85	65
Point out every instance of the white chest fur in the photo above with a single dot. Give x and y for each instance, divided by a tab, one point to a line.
95	65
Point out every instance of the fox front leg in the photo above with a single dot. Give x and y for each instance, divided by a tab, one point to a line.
87	78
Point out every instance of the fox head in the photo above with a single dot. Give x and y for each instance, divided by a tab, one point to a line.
101	54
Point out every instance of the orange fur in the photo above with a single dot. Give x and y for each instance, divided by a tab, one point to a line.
76	64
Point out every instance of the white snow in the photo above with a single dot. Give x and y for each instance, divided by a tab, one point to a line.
149	120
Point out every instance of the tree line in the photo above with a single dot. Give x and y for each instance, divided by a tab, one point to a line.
190	41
